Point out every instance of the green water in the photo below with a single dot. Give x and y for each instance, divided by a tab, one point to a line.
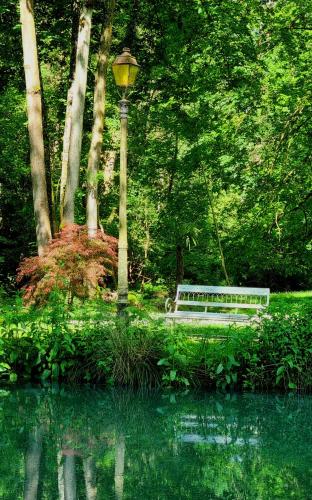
91	444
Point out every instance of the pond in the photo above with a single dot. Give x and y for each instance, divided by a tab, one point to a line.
93	444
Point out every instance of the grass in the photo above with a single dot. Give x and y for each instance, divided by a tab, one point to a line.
287	302
207	331
283	302
96	310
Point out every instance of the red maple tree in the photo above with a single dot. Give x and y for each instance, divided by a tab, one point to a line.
72	263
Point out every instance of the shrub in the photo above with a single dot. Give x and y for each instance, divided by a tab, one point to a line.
151	291
47	345
179	359
223	364
154	295
72	263
134	350
282	357
276	354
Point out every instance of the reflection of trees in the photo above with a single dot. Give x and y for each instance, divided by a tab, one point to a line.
72	451
94	444
60	476
32	463
67	481
120	449
70	485
89	469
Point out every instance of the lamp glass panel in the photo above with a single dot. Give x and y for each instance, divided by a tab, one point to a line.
133	71
121	74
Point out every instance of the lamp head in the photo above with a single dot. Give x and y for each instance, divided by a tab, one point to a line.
125	69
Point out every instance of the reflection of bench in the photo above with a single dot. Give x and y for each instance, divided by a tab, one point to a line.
194	302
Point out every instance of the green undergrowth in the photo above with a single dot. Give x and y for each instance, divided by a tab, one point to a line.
87	344
200	331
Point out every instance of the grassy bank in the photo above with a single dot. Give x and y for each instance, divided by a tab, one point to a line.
88	344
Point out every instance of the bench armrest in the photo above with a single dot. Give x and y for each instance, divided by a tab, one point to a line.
169	305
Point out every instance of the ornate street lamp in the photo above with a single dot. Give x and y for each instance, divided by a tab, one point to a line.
125	69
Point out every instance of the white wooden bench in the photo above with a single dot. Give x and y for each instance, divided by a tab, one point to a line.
194	303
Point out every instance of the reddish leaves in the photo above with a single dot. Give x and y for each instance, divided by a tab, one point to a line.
71	263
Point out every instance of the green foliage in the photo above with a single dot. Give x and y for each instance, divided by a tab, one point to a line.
151	291
219	123
154	295
16	226
46	344
222	363
58	344
51	344
179	359
282	357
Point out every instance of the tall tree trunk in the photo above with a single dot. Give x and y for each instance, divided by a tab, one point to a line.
47	157
68	114
216	225
131	34
109	166
65	153
35	128
98	120
79	93
32	464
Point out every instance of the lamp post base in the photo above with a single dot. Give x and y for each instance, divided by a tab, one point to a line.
121	308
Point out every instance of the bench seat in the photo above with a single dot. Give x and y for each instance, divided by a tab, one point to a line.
209	317
205	298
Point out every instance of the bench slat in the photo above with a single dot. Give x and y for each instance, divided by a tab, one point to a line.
214	316
229	290
232	305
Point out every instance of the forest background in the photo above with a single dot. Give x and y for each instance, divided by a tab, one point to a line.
220	178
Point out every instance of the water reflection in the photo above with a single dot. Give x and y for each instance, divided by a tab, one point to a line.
68	445
32	463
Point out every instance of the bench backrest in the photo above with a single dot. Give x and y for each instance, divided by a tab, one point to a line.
222	296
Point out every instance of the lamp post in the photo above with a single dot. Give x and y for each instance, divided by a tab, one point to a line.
125	69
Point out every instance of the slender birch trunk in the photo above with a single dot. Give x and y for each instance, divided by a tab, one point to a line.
98	120
65	152
109	167
35	128
179	264
216	225
79	93
68	114
47	160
